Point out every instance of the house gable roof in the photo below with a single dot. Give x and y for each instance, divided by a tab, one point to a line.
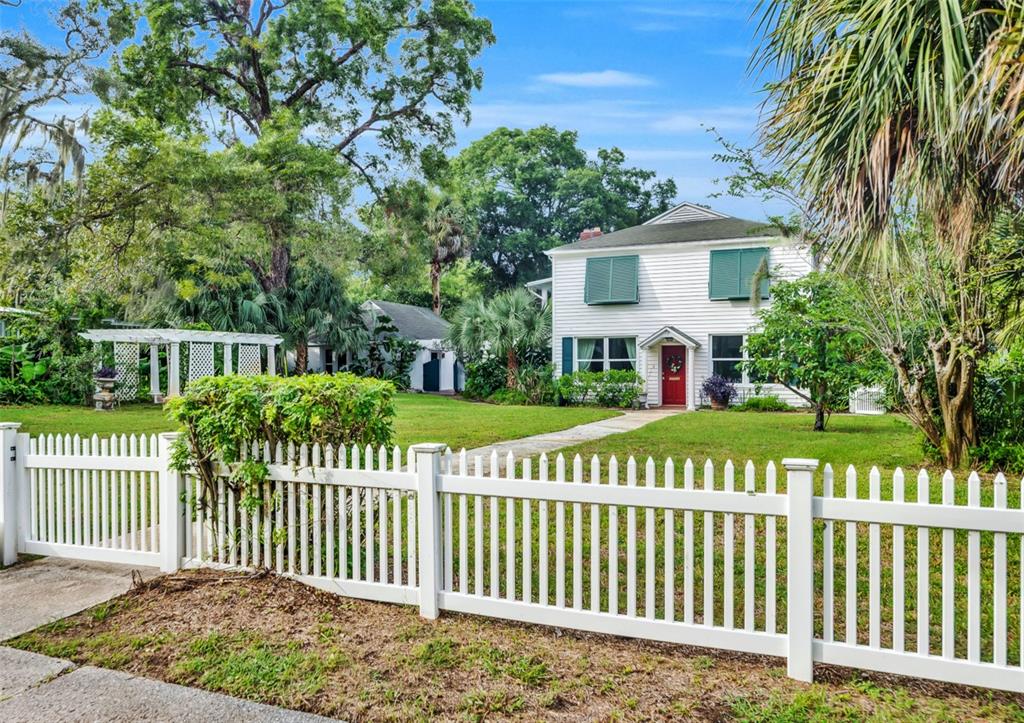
412	322
669	333
702	225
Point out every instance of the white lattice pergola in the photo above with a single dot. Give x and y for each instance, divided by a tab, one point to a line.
200	351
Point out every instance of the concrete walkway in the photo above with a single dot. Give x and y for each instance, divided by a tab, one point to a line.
37	688
552	441
40	591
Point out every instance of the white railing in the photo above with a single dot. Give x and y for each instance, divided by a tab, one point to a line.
867	400
924	580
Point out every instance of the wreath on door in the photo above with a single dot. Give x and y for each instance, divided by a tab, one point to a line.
675	363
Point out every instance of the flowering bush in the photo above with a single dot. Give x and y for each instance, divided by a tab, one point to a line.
719	389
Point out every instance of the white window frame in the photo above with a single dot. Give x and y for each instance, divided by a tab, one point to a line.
745	375
605	361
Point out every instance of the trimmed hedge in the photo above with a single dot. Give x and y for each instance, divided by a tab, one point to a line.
223	415
613	388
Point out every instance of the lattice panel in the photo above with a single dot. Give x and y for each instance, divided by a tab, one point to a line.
126	363
249	359
200	360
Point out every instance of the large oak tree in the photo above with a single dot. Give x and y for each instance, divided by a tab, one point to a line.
378	83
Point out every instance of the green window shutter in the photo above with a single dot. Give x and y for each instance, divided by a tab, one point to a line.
566	355
724	275
612	280
624	279
597	288
732	271
750	261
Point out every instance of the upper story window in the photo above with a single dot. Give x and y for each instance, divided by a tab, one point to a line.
732	273
612	280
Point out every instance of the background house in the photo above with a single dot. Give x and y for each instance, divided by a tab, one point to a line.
670	298
435	368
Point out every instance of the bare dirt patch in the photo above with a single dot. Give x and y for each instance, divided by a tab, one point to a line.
277	641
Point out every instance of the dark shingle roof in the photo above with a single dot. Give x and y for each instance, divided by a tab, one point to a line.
413	322
666	233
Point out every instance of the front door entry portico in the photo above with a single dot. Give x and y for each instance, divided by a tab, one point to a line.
673	374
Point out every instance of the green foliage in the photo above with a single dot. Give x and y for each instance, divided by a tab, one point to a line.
483	377
386	354
766	403
43	359
613	388
531	190
511	397
344	70
221	416
805	343
999	406
537	384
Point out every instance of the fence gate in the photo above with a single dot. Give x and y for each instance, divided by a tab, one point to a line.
82	498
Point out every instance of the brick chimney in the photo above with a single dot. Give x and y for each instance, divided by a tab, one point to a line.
590	233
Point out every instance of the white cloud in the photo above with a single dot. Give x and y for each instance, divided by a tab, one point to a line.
726	118
597	79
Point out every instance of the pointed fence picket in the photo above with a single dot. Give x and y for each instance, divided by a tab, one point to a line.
905	573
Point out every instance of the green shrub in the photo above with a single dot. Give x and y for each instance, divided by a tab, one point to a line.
766	403
223	415
999	410
537	384
484	378
613	388
509	397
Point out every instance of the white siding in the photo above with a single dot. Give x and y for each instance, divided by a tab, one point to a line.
673	288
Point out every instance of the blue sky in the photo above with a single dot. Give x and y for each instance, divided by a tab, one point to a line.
646	77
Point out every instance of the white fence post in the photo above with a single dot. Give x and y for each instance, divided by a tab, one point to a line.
800	567
172	513
428	468
9	484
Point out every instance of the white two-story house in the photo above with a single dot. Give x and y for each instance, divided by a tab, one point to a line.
670	298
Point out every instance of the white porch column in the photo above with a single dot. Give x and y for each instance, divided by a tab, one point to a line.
173	371
227	359
271	360
691	379
154	371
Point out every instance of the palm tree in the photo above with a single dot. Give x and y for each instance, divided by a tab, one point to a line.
868	112
314	305
507	326
448	229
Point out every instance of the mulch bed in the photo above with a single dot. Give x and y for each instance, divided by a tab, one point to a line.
374	661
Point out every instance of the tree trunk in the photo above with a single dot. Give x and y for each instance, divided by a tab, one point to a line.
301	357
955	370
435	285
513	367
819	418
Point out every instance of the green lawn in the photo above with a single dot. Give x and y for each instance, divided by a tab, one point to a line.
862	441
420	418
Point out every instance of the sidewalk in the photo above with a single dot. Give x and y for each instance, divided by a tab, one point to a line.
553	441
40	591
37	688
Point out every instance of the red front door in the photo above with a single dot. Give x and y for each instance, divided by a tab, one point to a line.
673	375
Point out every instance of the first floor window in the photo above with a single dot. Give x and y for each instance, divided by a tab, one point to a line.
598	354
726	355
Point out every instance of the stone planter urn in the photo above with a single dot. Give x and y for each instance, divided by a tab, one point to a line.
104	396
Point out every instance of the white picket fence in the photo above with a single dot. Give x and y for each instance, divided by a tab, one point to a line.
926	582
